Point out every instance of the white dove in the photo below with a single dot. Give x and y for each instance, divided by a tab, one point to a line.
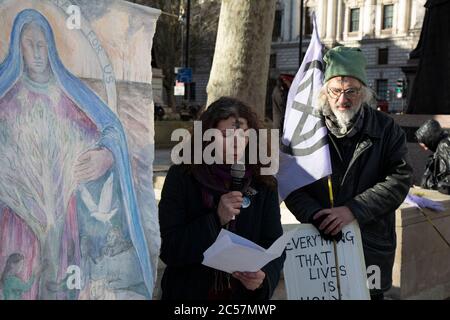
102	212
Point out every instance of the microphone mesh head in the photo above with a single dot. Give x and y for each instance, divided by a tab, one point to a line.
238	170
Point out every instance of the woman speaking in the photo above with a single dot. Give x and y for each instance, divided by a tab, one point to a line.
196	203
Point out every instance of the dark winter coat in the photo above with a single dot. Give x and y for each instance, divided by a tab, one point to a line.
372	178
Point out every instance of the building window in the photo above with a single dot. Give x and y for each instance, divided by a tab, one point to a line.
354	19
388	16
382	88
273	61
308	22
383	54
276	34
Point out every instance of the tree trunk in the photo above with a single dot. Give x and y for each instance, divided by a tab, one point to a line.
241	60
50	258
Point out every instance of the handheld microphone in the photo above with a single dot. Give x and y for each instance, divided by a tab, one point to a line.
237	176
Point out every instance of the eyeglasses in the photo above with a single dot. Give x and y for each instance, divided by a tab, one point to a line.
350	93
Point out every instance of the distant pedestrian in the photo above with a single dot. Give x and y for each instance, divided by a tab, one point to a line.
432	137
279	100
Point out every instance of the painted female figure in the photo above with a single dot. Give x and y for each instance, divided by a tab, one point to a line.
13	287
65	175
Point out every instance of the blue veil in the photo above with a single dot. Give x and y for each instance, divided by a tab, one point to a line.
112	132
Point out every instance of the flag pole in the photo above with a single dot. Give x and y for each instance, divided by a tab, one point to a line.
336	261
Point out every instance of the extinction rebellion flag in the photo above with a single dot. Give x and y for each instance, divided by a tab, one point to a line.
304	154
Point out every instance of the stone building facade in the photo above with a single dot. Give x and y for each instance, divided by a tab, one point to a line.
385	30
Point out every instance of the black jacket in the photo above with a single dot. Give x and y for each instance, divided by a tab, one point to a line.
188	229
437	170
372	182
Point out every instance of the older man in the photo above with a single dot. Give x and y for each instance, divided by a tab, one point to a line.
371	176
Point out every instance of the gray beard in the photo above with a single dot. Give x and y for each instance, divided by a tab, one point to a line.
343	118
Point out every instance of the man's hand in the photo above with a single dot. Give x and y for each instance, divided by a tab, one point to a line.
336	219
229	206
250	280
92	164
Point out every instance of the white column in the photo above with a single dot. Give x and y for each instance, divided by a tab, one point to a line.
362	15
368	16
331	20
413	15
395	19
287	20
340	13
295	19
321	17
408	15
378	19
402	14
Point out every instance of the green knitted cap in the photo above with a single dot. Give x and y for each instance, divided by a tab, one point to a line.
345	62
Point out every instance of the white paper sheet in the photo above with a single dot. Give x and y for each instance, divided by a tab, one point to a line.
231	252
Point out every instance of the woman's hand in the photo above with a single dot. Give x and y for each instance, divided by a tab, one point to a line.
92	164
250	280
229	206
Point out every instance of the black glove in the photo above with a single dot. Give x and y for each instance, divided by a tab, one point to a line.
317	222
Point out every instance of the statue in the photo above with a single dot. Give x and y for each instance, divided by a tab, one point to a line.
430	90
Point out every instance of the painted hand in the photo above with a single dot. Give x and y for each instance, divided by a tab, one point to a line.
92	164
250	280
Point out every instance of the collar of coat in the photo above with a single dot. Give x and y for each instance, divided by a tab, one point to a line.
373	124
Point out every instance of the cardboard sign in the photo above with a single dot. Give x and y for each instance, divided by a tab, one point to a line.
310	270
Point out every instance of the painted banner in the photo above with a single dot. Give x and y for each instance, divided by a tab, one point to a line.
78	218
